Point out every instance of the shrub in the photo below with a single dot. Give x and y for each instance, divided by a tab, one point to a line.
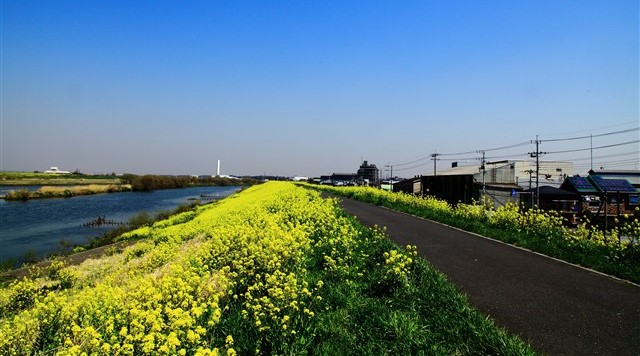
20	194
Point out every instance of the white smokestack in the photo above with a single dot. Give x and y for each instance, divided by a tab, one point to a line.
218	168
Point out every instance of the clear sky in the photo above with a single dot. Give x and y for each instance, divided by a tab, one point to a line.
313	87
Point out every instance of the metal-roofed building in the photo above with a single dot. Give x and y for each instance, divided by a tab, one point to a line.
500	181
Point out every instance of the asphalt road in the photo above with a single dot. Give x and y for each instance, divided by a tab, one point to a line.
558	308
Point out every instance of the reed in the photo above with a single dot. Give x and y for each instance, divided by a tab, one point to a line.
67	191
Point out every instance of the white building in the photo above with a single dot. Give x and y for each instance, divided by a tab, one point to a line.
55	170
518	172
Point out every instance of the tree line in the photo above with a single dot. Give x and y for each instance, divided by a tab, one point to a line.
153	182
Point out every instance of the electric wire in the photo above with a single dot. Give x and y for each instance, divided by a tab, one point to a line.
419	162
635	122
591	136
593	148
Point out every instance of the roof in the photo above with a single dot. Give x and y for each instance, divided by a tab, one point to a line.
579	184
460	171
632	176
597	184
549	190
612	185
615	172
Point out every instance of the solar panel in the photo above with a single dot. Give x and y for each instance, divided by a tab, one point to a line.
582	184
614	185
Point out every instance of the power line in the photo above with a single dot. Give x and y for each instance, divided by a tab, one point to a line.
595	148
609	164
620	162
594	129
423	160
487	149
412	162
412	167
510	146
591	136
609	156
509	156
458	159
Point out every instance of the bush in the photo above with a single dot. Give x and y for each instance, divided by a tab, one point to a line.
142	218
20	194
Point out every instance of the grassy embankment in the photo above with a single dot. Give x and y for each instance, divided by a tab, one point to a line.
616	253
59	185
80	184
272	270
27	178
66	191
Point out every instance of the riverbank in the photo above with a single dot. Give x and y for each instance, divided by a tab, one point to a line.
69	260
29	178
38	228
66	191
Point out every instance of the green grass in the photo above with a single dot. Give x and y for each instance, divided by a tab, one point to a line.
363	312
32	178
427	315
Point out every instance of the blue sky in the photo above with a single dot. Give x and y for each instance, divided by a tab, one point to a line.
309	88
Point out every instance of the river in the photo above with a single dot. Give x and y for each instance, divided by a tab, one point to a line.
37	227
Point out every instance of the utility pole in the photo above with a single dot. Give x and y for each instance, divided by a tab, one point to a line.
434	157
537	154
390	176
530	171
484	172
591	146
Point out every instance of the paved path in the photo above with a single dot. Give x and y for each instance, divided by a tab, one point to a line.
556	307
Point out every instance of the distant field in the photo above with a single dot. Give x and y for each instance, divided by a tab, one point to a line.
28	178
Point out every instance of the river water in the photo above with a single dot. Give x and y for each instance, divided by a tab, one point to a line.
37	227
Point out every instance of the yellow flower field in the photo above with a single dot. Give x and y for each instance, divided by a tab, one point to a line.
255	273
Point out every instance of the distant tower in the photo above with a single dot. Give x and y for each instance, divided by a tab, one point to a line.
218	175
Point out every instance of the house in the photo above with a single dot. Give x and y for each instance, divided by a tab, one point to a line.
601	196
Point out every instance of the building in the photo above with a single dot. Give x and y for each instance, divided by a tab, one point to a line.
632	176
498	182
565	202
344	179
338	179
603	197
368	173
55	170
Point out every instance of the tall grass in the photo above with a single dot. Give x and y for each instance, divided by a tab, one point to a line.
66	191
